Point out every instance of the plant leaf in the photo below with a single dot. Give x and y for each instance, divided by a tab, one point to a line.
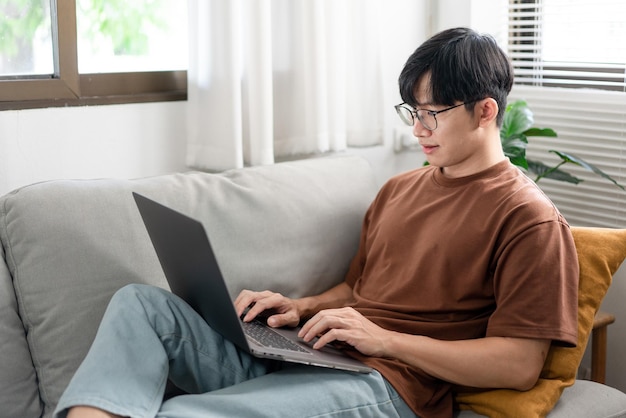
518	118
515	144
547	132
544	171
570	158
514	148
519	161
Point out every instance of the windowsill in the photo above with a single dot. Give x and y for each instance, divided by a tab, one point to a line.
94	89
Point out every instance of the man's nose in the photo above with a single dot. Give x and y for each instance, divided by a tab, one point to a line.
419	130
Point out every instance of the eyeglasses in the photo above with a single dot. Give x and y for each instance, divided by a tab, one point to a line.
428	118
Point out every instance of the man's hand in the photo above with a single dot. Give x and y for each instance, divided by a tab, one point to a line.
280	310
346	325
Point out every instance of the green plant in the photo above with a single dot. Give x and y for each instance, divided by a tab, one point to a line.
123	22
517	126
21	19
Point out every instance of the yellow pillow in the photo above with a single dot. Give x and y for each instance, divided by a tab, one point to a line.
600	253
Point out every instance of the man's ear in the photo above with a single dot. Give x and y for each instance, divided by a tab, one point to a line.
487	111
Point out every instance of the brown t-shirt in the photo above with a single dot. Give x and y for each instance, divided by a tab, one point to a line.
483	255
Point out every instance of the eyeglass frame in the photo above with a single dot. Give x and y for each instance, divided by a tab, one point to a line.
415	113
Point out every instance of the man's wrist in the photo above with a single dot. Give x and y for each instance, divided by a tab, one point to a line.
306	307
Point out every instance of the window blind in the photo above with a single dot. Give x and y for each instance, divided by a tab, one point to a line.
568	43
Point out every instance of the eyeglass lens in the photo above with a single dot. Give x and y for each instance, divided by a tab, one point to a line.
405	115
425	117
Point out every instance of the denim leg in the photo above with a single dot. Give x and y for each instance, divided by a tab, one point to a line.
296	391
147	335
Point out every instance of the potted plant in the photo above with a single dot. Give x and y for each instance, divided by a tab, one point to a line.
517	126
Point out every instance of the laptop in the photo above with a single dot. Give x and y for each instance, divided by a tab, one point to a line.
193	273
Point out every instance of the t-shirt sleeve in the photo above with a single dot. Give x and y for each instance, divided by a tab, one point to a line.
536	286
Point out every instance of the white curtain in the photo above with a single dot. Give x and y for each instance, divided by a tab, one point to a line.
276	78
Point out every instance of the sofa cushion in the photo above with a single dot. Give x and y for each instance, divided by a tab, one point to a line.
291	227
590	400
584	399
600	253
19	395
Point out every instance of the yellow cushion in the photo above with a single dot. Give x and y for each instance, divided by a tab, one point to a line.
600	253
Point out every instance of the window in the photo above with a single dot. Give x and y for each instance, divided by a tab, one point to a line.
569	58
569	43
80	52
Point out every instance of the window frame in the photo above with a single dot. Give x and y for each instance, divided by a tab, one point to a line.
70	88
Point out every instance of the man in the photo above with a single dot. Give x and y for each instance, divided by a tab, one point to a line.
465	274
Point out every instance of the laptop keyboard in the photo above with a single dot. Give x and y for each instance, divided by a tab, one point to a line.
269	338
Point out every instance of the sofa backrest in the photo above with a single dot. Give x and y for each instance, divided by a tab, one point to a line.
19	395
70	244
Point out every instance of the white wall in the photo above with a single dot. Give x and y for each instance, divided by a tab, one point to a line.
121	141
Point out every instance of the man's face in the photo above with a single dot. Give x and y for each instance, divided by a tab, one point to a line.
457	146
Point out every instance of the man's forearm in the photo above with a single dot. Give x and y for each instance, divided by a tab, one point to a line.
335	297
492	362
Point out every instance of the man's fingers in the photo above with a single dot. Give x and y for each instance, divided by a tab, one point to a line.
243	301
288	319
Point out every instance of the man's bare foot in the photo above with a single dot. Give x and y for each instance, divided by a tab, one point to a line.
89	412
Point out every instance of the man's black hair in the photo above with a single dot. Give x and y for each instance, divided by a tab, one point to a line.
463	66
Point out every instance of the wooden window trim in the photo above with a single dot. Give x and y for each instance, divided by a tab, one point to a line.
69	88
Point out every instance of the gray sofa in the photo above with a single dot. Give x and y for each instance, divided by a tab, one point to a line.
68	245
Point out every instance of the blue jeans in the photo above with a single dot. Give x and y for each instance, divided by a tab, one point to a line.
148	335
